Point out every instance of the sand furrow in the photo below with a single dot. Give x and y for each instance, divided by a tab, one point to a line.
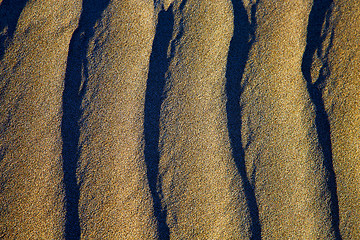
32	71
283	157
202	190
179	119
339	83
114	201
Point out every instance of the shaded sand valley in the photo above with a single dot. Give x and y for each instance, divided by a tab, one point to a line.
179	119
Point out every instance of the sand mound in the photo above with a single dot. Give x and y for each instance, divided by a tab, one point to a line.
178	119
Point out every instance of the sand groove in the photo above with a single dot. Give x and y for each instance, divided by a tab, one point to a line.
179	119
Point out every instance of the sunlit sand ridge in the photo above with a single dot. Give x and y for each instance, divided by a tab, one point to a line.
179	119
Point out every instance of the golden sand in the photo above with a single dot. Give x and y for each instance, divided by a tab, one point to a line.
179	119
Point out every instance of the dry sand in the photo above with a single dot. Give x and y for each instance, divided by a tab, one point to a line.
32	71
115	202
197	172
179	119
341	93
283	158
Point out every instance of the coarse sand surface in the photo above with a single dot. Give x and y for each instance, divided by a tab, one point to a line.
180	119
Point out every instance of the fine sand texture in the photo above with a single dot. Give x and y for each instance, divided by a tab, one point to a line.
180	119
340	88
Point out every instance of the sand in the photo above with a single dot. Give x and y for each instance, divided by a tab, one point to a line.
198	175
283	158
177	119
340	90
32	72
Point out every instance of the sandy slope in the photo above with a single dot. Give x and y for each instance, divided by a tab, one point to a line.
283	158
179	119
340	89
198	175
114	198
32	73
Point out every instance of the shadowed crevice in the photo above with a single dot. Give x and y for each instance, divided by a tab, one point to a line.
153	100
237	58
180	31
318	17
74	90
10	11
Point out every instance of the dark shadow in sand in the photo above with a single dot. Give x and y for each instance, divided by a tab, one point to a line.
10	11
237	57
318	16
74	90
153	99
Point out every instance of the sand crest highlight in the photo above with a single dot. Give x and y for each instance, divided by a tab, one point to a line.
179	119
